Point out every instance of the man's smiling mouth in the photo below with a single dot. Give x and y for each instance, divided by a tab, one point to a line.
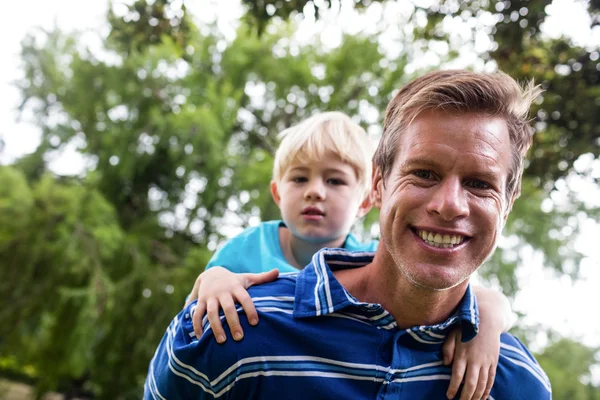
440	240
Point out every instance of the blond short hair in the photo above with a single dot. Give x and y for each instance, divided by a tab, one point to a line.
461	91
320	136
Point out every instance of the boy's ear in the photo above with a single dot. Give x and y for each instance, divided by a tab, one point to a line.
377	188
275	192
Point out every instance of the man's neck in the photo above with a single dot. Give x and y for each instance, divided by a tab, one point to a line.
298	252
382	282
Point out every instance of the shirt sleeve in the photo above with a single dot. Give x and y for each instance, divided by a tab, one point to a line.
230	256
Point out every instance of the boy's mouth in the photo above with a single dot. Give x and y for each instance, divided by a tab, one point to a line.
313	213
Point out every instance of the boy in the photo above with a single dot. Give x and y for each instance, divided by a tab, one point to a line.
321	181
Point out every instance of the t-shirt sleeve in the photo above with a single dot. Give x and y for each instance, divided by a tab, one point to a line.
226	256
254	250
372	245
236	253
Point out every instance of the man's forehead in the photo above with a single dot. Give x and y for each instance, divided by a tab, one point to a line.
436	136
491	129
440	116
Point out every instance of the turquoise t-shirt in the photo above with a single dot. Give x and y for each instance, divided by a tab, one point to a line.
257	249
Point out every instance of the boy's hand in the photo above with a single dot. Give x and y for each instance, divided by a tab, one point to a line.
218	288
475	361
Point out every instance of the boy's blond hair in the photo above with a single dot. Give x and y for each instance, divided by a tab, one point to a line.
324	135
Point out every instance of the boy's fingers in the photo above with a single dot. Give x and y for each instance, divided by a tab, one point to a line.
481	384
470	384
458	371
247	304
490	382
197	319
448	348
263	277
231	316
212	310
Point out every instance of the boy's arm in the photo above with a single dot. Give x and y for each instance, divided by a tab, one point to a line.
475	362
495	308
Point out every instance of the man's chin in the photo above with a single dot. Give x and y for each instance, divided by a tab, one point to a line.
436	283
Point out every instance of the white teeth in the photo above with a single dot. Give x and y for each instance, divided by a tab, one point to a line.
438	240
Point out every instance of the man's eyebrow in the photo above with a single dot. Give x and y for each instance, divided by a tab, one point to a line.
419	162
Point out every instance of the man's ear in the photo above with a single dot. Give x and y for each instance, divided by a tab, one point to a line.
275	192
364	207
509	207
376	188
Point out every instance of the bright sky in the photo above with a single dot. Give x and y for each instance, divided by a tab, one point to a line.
545	298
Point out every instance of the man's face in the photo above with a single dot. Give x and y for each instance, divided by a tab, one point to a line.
443	204
319	201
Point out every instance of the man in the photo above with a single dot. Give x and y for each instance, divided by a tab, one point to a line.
364	325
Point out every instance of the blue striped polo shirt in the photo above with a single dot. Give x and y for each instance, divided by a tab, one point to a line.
316	341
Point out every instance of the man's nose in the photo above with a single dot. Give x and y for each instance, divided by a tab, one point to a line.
449	200
315	190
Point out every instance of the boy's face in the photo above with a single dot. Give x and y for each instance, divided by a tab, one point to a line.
319	201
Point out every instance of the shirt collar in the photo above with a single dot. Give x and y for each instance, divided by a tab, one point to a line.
318	292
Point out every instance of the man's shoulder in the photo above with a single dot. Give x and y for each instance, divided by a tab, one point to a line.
519	375
284	286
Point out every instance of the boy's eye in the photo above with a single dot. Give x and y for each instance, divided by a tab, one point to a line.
477	184
299	179
423	174
335	181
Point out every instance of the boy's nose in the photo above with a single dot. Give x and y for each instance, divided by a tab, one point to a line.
315	191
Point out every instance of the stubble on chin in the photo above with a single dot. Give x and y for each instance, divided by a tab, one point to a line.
431	283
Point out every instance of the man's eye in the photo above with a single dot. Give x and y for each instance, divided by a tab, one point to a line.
477	184
299	179
423	174
335	181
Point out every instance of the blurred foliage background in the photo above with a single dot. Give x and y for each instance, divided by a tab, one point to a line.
177	123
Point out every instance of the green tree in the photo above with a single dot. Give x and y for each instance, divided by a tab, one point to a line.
568	364
178	147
